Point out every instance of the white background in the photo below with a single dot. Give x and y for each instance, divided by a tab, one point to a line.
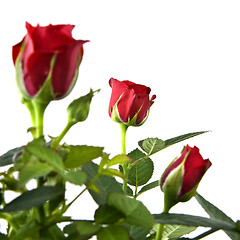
188	52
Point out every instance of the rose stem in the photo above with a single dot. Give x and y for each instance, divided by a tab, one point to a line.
124	128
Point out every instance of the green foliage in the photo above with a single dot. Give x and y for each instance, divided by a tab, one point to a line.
216	213
81	230
153	145
195	221
10	156
47	155
176	231
77	177
106	214
134	211
33	198
103	184
113	233
148	186
33	170
80	155
140	173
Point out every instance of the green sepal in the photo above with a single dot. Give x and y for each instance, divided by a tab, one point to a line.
171	187
19	76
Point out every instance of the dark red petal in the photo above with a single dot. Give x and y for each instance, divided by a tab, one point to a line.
35	71
65	68
118	88
194	169
138	88
174	165
51	37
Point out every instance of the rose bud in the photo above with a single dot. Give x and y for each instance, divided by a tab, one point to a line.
129	103
47	61
180	180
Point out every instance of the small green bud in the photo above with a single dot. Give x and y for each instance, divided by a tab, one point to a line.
78	109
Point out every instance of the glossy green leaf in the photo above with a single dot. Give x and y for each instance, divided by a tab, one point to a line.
8	157
81	230
46	154
176	231
138	232
181	138
134	211
106	214
105	184
149	186
113	232
140	173
77	177
216	213
33	170
153	145
33	198
87	228
80	155
189	220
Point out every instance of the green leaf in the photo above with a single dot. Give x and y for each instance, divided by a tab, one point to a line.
3	237
140	173
80	155
105	184
148	187
138	232
134	211
113	232
77	177
181	138
119	159
46	154
8	157
33	170
195	221
176	231
216	213
153	145
87	228
27	230
106	214
81	230
33	198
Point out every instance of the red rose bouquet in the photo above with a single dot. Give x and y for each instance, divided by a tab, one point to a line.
47	62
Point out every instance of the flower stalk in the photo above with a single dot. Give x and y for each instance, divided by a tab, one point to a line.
124	128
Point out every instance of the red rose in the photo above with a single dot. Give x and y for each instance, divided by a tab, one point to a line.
180	180
47	53
129	103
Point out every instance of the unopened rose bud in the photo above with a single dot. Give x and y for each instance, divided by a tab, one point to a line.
129	103
180	180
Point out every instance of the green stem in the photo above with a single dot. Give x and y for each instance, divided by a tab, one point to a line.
39	109
124	128
37	114
161	226
57	140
